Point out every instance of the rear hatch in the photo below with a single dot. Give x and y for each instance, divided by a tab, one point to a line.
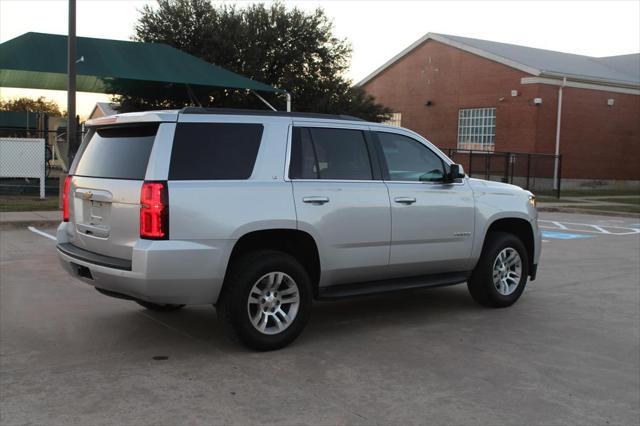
104	196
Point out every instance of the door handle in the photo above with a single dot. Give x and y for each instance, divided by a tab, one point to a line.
315	200
404	200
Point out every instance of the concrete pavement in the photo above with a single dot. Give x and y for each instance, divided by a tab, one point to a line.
567	353
20	220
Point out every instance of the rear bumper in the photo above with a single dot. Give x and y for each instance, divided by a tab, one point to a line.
176	272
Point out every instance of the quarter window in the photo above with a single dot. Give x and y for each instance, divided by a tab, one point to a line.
326	153
214	151
477	129
409	160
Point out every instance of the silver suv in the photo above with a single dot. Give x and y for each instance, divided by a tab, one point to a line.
261	213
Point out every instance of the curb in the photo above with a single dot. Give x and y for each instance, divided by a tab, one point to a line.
588	211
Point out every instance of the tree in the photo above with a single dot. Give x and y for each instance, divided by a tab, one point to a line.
286	48
23	104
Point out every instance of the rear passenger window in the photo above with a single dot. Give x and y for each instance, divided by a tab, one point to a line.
214	151
324	153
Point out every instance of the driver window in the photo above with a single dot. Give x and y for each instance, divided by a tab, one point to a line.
409	160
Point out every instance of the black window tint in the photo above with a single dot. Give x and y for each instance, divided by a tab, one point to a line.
303	159
117	152
337	154
409	160
214	151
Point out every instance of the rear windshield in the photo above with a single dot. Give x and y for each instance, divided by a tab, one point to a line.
120	152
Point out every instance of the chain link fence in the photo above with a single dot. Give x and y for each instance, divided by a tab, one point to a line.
532	171
53	150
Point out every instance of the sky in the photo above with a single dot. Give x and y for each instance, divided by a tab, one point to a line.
377	30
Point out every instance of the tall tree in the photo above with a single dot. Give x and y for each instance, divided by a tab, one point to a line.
24	104
286	48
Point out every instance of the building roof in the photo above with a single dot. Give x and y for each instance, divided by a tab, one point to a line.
621	70
105	108
39	61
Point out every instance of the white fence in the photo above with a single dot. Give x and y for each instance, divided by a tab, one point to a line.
23	158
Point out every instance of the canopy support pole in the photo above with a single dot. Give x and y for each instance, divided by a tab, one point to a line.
263	100
192	96
72	135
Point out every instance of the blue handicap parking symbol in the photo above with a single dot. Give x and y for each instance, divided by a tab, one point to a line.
563	235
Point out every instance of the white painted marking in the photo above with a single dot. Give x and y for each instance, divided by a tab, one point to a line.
590	228
559	225
545	241
601	229
44	234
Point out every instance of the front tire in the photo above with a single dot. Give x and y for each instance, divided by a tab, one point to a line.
266	300
501	274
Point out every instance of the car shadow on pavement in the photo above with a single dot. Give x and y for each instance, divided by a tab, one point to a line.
334	319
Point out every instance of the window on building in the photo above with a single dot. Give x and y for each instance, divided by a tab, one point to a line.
394	120
477	129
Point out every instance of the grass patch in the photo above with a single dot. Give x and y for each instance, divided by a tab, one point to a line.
587	193
631	200
25	203
549	199
629	208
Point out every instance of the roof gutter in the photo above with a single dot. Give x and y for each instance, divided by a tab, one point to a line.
575	83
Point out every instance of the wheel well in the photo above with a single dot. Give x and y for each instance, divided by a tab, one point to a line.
518	227
298	244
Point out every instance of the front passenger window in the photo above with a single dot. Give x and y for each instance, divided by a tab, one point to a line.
409	160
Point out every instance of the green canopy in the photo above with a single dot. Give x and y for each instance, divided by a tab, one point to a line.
39	61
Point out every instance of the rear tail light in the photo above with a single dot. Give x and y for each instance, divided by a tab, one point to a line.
65	199
154	211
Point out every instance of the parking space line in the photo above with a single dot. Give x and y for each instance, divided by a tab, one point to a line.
588	228
559	225
44	234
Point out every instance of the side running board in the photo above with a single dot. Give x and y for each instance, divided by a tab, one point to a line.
384	286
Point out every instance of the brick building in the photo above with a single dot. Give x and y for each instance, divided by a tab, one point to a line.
474	94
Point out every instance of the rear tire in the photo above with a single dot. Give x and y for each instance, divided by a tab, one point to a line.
266	300
156	307
501	274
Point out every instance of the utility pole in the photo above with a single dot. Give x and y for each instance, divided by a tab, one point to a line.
72	130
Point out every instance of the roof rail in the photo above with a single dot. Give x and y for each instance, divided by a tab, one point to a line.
240	111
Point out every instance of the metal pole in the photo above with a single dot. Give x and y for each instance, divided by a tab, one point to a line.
558	122
71	83
288	102
528	169
559	162
263	100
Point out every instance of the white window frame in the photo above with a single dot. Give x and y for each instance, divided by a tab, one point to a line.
394	120
477	129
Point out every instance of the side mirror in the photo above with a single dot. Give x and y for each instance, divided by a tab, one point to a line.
455	172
